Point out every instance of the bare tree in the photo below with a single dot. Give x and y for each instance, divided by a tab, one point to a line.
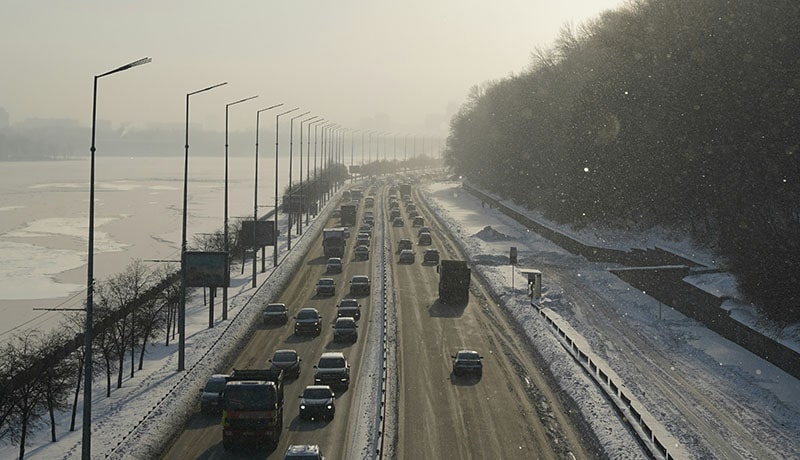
104	340
154	313
56	378
27	399
123	290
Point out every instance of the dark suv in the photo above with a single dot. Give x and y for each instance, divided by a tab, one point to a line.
211	399
360	285
467	362
349	308
308	322
345	330
404	243
326	286
425	239
333	370
431	256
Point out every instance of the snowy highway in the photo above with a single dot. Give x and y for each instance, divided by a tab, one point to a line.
711	397
432	413
707	394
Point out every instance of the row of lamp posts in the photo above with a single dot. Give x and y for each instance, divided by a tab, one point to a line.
333	149
316	121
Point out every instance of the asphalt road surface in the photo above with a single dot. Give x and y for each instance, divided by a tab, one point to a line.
510	412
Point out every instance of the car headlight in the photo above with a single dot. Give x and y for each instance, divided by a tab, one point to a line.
302	406
330	407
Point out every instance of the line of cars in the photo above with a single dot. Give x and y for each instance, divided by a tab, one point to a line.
308	321
317	401
465	362
405	247
332	371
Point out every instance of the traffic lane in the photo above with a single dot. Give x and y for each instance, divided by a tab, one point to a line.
203	439
455	416
332	436
469	417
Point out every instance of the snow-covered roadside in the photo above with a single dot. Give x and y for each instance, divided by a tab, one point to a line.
763	396
170	396
137	420
457	211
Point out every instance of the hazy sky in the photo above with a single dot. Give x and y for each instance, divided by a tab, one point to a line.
364	64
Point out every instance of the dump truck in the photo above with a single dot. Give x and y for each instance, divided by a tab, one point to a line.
405	190
333	240
453	282
348	215
252	408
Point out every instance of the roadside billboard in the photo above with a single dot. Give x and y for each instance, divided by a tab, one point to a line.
265	233
206	269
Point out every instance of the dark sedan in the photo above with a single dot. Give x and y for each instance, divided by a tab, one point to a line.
288	361
467	362
275	313
317	401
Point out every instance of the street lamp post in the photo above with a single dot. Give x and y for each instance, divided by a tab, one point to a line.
377	147
340	153
182	309
322	146
225	231
332	146
275	246
362	149
308	164
291	201
352	150
86	447
326	157
369	150
255	193
302	190
323	175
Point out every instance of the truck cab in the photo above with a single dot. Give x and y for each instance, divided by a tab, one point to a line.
252	407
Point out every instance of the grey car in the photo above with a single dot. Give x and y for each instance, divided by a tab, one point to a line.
360	285
334	265
345	330
326	286
361	252
406	256
332	369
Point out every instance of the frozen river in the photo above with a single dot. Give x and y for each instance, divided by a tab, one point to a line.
44	209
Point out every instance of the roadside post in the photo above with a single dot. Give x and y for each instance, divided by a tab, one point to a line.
512	257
